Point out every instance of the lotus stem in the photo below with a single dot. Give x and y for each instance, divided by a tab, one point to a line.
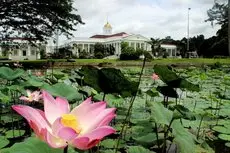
146	96
65	149
165	127
156	129
104	97
52	69
218	113
202	117
195	105
211	100
130	107
169	126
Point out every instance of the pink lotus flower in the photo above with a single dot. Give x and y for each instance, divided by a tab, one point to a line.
155	76
83	127
31	96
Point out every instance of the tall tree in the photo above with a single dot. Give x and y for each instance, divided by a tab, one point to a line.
155	44
37	19
221	14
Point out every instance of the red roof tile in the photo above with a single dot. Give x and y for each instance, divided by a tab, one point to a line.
108	36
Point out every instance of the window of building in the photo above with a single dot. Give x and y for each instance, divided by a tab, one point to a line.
15	53
32	52
24	53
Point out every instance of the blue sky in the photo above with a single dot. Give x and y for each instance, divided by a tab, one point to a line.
151	18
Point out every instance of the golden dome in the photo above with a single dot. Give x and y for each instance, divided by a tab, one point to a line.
107	25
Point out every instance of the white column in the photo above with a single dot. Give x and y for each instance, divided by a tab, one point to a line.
28	50
10	54
83	47
117	49
145	46
88	48
135	45
77	50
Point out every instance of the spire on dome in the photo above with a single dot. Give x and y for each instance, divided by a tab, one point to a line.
107	29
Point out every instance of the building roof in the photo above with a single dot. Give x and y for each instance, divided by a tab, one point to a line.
121	34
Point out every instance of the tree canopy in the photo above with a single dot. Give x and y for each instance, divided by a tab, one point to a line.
37	19
101	51
219	14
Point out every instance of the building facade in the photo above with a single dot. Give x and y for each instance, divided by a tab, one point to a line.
108	39
170	49
21	49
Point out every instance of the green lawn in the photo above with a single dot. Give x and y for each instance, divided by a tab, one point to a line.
157	61
193	61
185	61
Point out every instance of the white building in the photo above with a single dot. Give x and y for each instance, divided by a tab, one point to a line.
107	38
21	49
170	49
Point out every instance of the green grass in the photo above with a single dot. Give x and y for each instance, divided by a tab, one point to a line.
193	61
185	61
160	61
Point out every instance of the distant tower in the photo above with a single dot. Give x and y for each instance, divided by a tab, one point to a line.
107	29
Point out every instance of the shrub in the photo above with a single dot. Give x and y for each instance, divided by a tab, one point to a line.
129	56
99	55
165	55
84	55
216	65
129	53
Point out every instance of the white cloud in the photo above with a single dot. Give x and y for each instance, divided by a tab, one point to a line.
151	18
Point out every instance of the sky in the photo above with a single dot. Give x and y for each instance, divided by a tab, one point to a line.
150	18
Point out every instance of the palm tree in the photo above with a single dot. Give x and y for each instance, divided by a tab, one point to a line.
155	44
